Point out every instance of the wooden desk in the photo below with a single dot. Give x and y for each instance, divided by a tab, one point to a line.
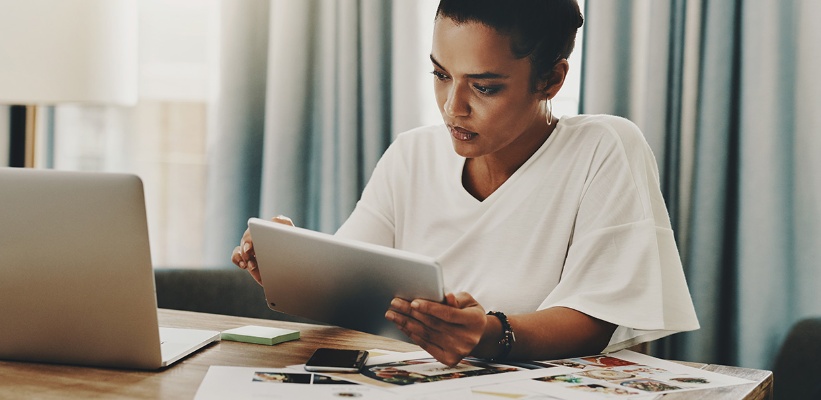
181	380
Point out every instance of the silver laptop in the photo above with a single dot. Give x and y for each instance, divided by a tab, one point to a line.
76	281
339	281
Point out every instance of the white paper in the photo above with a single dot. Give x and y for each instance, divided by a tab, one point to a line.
272	383
417	374
624	374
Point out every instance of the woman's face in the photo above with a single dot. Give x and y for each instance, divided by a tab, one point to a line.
484	92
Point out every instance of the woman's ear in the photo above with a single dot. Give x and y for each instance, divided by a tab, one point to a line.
549	86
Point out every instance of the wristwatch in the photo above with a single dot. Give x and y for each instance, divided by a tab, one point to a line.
508	337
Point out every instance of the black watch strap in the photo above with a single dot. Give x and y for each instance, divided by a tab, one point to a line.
508	337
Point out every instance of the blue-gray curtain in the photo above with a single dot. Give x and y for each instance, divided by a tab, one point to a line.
301	116
328	112
236	127
725	92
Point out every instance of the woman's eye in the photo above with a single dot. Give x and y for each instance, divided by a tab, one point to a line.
486	89
439	75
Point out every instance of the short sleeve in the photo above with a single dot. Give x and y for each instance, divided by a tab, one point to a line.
623	265
372	220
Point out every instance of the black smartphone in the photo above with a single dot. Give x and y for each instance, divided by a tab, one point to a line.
336	360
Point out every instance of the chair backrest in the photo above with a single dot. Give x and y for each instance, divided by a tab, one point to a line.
797	367
227	291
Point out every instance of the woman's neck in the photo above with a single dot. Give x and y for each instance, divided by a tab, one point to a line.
481	176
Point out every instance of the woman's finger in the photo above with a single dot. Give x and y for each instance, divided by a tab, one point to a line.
255	274
446	312
247	250
236	258
283	220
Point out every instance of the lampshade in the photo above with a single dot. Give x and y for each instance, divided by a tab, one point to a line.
68	51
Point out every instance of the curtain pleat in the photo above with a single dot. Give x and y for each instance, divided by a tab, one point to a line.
731	123
315	119
775	218
710	257
235	127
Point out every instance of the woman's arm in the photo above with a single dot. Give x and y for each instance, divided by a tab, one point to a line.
556	332
460	328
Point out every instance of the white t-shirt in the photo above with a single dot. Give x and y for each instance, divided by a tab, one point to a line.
581	224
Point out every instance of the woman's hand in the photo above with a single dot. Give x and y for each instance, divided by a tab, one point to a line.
449	331
245	257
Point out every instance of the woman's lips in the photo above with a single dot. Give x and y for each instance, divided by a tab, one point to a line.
461	134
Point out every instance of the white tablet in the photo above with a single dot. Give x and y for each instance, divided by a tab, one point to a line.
339	281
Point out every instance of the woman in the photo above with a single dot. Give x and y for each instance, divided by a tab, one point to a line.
557	224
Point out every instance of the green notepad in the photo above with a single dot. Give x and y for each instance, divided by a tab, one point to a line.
259	335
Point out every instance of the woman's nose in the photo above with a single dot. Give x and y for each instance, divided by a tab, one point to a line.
456	104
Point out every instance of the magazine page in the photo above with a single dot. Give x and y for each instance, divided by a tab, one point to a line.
624	374
222	382
419	373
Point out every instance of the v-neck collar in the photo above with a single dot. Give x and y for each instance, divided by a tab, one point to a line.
460	168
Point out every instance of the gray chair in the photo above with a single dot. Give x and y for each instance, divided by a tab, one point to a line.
226	291
797	367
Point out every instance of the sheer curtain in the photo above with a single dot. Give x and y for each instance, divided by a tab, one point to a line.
724	91
305	105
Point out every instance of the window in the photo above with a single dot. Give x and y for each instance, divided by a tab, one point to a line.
161	139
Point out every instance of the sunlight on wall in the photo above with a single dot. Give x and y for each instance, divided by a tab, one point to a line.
162	138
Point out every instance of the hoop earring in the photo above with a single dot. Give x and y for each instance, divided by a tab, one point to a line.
548	110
